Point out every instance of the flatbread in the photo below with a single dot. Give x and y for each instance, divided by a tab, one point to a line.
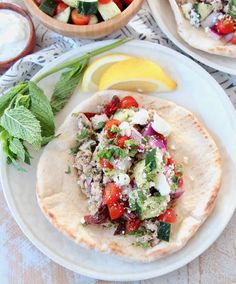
64	205
198	38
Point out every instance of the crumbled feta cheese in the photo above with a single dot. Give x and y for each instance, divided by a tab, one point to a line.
122	179
160	125
162	185
82	221
172	147
125	128
140	117
194	18
123	164
186	159
97	119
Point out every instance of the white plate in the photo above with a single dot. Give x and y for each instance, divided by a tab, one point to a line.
165	19
197	91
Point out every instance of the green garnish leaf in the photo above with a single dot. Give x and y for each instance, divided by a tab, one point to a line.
17	147
179	169
6	99
46	140
66	85
42	110
150	159
21	123
143	245
101	125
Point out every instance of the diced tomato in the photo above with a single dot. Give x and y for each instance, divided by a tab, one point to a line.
79	19
121	141
112	122
233	41
133	224
168	216
99	218
105	164
104	1
181	181
119	4
128	2
60	8
109	125
225	25
111	194
116	211
90	114
170	162
128	102
112	106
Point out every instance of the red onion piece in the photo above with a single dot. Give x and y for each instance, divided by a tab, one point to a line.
148	131
178	193
136	135
156	143
214	34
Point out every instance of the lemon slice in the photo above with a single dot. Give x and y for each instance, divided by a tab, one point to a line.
136	74
96	69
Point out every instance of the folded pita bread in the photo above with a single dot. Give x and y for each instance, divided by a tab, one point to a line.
198	38
64	204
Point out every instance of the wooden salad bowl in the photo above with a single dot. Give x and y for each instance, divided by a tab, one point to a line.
89	31
32	37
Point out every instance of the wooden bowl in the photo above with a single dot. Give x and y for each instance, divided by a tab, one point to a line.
32	38
87	32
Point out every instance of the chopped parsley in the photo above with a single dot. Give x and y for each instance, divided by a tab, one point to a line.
143	245
68	171
111	153
150	159
82	135
101	125
179	169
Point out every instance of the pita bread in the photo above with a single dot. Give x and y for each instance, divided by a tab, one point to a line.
198	38
64	204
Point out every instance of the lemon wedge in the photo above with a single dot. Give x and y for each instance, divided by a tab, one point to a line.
137	75
96	69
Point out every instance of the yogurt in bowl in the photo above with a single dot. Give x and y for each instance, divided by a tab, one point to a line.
17	34
14	34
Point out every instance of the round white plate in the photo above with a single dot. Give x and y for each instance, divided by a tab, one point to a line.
165	19
197	91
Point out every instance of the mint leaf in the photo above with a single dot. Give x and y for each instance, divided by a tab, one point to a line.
22	100
66	85
17	148
4	138
46	140
6	99
22	124
41	108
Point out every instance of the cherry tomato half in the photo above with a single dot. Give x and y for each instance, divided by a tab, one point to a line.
170	162
111	194
118	4
60	8
79	19
168	216
225	25
128	102
121	141
116	211
104	1
105	164
128	2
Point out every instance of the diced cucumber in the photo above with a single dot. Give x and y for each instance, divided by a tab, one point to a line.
108	11
150	207
164	231
48	7
71	3
87	7
64	16
186	8
93	20
204	10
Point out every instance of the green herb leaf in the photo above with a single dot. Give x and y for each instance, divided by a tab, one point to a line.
150	159
68	171
82	135
101	125
22	124
17	148
4	138
46	140
143	245
6	99
66	85
22	100
41	108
